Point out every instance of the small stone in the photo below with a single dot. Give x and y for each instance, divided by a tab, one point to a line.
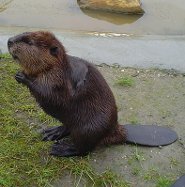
136	73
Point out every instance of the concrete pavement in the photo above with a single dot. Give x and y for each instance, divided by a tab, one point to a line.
133	51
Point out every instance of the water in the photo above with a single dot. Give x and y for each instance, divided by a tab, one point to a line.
162	17
139	41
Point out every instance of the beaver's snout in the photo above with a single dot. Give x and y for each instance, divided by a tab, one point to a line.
12	47
19	38
10	42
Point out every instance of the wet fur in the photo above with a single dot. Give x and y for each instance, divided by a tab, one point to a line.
69	89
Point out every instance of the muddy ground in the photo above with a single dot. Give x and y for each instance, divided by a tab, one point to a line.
153	97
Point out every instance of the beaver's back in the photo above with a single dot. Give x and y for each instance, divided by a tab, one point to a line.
94	100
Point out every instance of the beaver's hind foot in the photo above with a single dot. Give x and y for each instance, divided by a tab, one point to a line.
55	133
65	149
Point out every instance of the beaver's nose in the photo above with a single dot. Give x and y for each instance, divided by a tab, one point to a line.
10	42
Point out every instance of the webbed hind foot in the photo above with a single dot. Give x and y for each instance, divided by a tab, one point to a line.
55	133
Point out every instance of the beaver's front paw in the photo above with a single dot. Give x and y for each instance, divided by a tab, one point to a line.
21	78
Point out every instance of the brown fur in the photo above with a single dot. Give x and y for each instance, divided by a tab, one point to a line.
69	89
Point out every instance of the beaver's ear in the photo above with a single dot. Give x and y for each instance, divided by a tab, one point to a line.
54	50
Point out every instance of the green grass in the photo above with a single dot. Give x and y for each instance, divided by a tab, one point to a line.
125	81
133	120
5	56
24	158
163	182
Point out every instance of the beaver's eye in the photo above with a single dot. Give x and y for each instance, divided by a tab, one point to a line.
54	51
27	41
30	43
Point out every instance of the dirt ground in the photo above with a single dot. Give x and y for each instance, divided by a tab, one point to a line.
153	97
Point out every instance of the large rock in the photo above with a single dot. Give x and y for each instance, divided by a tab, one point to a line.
118	6
117	19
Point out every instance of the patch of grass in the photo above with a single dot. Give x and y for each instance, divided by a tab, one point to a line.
136	160
133	120
163	182
138	155
174	162
24	158
151	174
5	56
107	178
125	81
136	171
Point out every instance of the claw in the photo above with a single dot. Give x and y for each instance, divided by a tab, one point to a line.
64	150
51	136
21	78
55	133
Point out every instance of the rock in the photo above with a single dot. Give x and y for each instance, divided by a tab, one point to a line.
117	19
118	6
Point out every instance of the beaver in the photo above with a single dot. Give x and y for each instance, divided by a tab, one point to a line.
69	89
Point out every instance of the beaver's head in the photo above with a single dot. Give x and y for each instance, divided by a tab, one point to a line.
37	52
